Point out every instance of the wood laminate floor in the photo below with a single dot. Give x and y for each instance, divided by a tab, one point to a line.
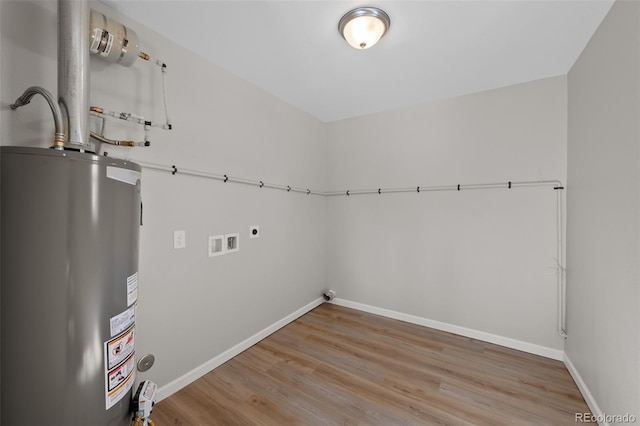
339	366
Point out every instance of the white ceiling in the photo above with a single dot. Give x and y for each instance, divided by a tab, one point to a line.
433	50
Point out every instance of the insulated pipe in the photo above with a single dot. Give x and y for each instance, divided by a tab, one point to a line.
58	139
73	69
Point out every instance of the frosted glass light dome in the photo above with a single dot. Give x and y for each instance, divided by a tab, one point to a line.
363	27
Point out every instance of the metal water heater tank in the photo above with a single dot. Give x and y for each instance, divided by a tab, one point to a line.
69	278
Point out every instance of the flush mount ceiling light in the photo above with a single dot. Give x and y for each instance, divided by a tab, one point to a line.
363	27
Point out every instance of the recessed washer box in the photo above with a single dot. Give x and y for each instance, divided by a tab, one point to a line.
216	245
232	243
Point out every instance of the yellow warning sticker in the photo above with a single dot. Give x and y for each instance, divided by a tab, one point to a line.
119	381
120	348
119	366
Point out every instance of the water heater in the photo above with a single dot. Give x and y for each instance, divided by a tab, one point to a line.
69	280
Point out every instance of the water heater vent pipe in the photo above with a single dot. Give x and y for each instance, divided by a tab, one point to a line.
73	69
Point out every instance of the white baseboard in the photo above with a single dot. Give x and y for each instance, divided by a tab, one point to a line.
196	373
584	390
531	348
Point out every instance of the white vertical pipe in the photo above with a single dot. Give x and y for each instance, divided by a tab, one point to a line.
73	69
561	269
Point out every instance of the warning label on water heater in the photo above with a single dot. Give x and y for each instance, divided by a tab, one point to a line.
119	366
120	348
122	321
132	289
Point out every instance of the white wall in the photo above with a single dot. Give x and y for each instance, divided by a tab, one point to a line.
191	307
477	259
604	212
482	260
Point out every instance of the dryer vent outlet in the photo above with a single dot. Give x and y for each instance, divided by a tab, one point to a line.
329	295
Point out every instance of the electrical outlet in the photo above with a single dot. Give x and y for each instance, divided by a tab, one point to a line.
179	239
